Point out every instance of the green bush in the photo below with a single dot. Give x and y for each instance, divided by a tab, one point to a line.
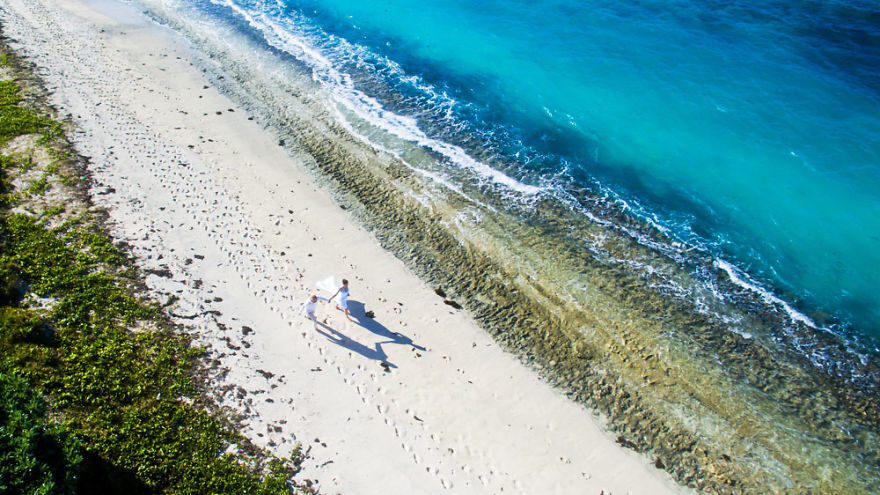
20	325
36	456
11	284
53	267
16	120
5	186
120	392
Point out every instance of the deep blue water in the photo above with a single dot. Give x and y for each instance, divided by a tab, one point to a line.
748	129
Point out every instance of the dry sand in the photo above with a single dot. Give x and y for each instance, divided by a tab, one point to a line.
238	232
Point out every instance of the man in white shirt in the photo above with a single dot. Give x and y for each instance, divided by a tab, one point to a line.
309	308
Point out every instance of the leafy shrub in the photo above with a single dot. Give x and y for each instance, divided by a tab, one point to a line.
21	325
119	391
5	186
11	283
51	266
16	120
36	455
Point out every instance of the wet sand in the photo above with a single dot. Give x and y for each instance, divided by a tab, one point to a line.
234	232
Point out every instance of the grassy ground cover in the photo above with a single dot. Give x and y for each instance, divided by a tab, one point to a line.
98	391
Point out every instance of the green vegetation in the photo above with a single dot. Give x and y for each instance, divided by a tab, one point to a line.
16	119
5	186
97	390
36	455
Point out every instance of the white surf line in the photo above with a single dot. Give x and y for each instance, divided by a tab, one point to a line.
468	417
739	278
368	108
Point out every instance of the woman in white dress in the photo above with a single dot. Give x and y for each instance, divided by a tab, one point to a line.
343	298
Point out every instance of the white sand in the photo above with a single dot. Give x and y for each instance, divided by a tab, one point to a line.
454	413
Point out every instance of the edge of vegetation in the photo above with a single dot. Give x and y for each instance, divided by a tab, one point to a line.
99	392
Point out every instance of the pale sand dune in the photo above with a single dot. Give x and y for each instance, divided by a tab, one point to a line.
227	222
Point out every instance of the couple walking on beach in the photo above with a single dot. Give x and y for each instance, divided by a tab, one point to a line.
310	306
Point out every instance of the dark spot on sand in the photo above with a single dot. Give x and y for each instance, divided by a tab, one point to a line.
164	272
452	303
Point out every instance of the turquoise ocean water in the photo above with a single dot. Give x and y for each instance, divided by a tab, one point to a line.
748	130
687	193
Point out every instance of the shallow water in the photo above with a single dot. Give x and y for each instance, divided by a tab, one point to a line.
750	131
667	209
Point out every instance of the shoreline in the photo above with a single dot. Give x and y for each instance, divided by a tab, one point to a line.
722	410
230	226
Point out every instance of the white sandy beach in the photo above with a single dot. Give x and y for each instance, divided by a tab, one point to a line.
227	222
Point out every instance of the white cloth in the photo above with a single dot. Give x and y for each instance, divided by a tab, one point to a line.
328	284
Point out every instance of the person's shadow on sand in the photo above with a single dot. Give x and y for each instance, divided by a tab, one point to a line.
377	353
